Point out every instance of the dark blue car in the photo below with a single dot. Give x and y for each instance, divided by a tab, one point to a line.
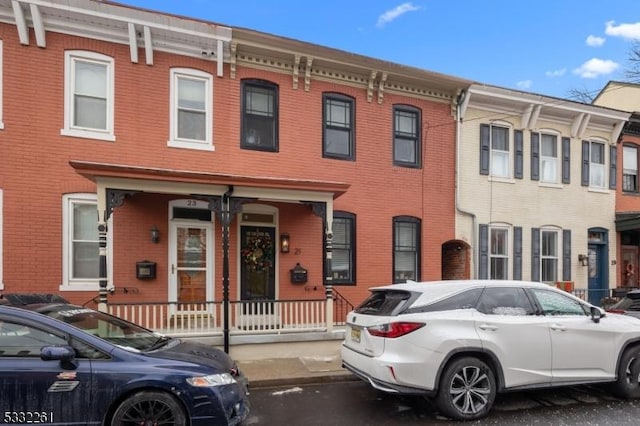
67	364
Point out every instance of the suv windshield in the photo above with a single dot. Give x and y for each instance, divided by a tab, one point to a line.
115	330
384	303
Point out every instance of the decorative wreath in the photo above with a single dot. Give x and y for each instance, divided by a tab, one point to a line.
257	253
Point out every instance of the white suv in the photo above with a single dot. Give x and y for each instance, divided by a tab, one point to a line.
461	342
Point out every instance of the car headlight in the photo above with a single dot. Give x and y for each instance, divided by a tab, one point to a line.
212	380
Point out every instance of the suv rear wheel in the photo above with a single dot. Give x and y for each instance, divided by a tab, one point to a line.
467	389
628	384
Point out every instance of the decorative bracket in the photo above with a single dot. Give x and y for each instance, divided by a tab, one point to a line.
296	71
115	198
381	84
318	208
234	52
307	74
370	87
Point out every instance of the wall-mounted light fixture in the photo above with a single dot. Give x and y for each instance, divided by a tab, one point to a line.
583	259
284	243
155	234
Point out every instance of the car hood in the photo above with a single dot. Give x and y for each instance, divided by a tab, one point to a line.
198	353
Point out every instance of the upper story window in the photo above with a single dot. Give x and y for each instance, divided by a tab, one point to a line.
191	109
596	165
630	168
89	95
548	158
499	253
343	254
80	242
406	249
338	126
497	151
406	136
259	115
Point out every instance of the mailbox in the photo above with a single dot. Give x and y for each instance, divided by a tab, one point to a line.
145	270
298	274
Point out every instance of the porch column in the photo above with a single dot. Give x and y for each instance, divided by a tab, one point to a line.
325	211
102	250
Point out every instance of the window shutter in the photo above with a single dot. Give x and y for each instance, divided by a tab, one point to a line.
519	154
535	156
517	252
566	255
566	160
585	163
613	160
535	254
484	149
483	256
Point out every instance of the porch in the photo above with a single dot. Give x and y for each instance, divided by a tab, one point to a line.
249	321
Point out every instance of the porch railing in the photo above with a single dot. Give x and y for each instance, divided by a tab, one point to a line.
207	318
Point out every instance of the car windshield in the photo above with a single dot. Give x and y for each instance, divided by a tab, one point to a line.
115	330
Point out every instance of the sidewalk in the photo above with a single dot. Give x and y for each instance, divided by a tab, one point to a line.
291	363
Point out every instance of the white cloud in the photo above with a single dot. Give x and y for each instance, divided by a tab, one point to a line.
595	41
556	73
396	12
628	31
596	67
524	84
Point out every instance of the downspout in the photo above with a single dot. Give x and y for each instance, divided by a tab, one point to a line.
460	101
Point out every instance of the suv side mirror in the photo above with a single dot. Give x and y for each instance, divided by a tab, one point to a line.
596	314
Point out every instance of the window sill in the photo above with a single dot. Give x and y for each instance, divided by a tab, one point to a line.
551	185
501	179
95	287
201	146
87	134
599	190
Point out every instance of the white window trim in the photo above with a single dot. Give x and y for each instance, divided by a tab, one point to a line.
509	241
81	285
555	159
557	257
1	112
70	57
605	165
510	152
1	242
174	141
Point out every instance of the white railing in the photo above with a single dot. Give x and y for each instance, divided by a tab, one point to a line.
207	318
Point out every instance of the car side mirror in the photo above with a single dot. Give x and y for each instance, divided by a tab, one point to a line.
57	353
596	314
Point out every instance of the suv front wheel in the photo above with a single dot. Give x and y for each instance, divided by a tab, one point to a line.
467	389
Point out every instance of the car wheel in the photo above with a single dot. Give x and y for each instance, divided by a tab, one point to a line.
149	408
628	384
467	389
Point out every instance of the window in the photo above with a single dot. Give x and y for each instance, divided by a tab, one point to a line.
80	243
499	254
89	99
548	158
499	151
406	136
505	301
406	249
549	256
553	303
630	168
596	165
23	340
338	129
259	115
191	109
343	254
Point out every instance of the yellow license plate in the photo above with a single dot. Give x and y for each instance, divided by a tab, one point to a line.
355	335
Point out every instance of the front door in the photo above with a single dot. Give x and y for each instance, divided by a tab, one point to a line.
597	288
257	273
190	282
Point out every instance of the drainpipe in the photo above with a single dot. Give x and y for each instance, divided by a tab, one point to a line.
460	100
225	216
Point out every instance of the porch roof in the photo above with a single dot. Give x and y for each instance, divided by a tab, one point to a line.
194	183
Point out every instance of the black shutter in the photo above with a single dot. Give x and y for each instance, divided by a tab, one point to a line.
585	163
613	160
535	254
519	154
566	160
535	156
566	255
483	255
485	148
517	252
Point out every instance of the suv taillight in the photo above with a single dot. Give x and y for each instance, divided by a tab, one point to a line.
394	329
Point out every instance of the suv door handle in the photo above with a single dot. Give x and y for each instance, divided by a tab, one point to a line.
558	327
488	327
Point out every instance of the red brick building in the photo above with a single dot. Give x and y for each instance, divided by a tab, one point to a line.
162	123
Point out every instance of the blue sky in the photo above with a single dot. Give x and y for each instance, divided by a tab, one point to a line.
546	46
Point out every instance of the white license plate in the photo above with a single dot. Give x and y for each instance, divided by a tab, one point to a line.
355	335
